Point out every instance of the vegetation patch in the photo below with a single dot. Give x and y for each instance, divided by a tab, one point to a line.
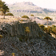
9	14
25	16
1	36
23	38
27	30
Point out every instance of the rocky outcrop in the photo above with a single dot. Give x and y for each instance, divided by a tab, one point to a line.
31	43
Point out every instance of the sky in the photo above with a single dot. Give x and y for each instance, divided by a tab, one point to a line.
49	4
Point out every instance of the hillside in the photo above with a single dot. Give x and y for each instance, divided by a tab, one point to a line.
26	39
22	8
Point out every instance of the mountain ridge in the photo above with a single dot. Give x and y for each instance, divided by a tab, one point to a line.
27	8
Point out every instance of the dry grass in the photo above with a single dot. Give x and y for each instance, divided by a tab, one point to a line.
8	20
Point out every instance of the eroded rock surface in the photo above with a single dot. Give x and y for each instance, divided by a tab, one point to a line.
35	43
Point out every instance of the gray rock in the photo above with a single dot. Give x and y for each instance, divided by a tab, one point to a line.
35	43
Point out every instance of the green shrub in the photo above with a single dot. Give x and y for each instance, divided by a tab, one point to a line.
13	54
25	16
9	14
42	27
48	30
32	15
54	30
1	36
21	20
27	30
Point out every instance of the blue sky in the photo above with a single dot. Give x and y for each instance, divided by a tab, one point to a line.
50	4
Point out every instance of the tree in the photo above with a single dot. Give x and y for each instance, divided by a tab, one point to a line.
1	4
47	18
5	9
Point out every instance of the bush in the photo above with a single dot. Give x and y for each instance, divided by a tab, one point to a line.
9	14
42	27
32	15
13	54
1	36
48	30
54	30
25	16
27	30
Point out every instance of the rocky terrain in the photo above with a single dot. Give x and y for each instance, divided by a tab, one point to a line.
33	42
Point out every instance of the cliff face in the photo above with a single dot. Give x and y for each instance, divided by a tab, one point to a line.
31	42
19	29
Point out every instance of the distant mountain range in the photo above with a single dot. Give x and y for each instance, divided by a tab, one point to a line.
27	8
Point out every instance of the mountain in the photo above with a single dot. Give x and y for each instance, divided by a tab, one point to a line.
23	8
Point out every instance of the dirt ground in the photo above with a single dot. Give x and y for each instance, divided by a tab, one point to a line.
8	20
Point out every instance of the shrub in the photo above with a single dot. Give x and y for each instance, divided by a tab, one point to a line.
27	30
9	14
32	15
48	30
54	30
1	36
42	27
13	54
25	16
21	20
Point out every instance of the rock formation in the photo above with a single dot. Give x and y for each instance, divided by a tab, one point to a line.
26	43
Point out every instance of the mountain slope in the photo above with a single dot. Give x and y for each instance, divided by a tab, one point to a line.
27	8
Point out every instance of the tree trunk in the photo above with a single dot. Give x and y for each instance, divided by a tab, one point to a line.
47	23
47	26
4	16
